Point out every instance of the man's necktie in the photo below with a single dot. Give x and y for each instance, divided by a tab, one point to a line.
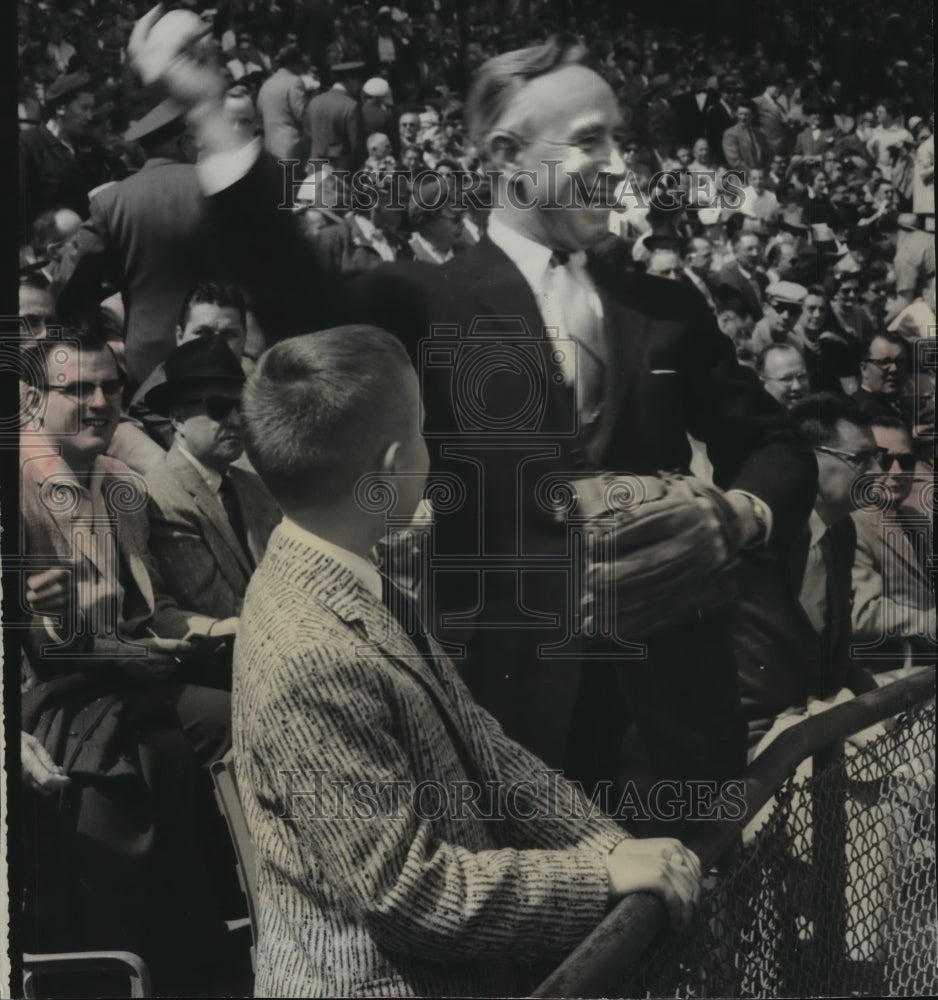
754	147
568	296
232	505
407	614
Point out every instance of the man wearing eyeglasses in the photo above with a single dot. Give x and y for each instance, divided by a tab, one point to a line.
822	559
209	522
783	372
105	688
883	373
894	604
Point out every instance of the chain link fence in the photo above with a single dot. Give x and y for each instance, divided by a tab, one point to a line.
833	889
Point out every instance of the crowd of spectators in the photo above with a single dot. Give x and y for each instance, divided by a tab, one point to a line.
779	162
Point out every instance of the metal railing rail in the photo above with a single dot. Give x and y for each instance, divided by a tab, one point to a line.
614	949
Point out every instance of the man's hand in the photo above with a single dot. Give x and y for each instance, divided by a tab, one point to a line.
39	770
49	592
173	49
660	865
164	657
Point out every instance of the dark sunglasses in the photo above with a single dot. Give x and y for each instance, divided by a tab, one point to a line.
904	459
217	407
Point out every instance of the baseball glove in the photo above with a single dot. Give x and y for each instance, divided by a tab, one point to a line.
660	552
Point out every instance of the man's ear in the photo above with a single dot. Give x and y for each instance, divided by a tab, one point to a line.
503	148
176	419
32	409
178	335
390	458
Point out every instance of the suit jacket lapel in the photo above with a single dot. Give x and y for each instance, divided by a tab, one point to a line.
624	351
510	299
257	522
337	588
232	558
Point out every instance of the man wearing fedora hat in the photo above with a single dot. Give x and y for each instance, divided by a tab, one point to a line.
58	163
209	522
333	128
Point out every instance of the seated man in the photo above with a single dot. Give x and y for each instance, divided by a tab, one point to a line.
209	522
105	687
210	308
884	372
405	899
893	603
794	634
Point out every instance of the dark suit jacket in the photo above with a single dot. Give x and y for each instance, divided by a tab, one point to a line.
672	372
659	126
378	118
732	283
879	406
690	123
718	120
149	234
775	645
835	668
343	249
50	176
333	130
202	563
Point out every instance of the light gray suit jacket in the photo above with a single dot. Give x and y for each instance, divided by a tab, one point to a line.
337	722
202	563
281	102
52	537
893	599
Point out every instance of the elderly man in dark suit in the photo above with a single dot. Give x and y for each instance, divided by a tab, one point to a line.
209	521
648	355
149	235
333	128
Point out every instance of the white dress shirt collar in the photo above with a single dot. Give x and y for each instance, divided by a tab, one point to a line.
431	251
363	571
210	477
532	259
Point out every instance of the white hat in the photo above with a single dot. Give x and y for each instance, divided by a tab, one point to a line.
377	86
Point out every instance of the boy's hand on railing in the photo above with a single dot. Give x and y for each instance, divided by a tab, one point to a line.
660	865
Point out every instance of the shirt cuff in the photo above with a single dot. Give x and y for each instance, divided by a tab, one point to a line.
218	171
763	514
